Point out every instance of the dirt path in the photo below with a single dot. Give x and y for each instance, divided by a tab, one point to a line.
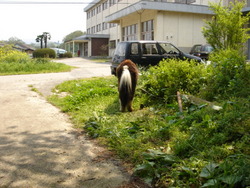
38	146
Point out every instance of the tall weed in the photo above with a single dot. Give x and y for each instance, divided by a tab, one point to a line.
229	76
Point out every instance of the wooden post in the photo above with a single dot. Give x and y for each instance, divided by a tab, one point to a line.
179	101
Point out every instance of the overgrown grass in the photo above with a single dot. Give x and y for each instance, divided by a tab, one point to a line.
195	148
32	67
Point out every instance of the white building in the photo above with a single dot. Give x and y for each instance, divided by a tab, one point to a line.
111	21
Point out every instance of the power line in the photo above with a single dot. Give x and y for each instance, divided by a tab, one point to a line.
49	2
42	2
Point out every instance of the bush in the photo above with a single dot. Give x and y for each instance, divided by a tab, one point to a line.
68	54
8	55
44	53
172	75
228	77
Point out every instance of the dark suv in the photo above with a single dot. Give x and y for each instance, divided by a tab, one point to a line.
201	51
146	53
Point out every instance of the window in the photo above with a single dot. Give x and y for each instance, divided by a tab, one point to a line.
112	25
120	50
92	29
167	48
112	2
148	30
149	49
88	14
104	26
129	32
134	49
112	44
98	9
105	5
92	12
88	31
98	28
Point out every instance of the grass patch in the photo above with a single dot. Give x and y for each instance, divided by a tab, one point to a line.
167	148
32	66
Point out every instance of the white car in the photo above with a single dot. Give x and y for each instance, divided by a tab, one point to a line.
59	51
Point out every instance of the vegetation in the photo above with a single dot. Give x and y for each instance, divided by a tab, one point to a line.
16	62
43	38
73	35
67	54
227	28
193	148
44	53
201	144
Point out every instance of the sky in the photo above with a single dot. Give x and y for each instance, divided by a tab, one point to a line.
26	19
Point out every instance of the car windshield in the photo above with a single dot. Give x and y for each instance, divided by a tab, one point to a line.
208	49
168	48
120	50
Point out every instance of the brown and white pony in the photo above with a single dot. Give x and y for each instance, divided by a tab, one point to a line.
127	74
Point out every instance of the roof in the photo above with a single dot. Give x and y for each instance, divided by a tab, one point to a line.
91	4
87	37
163	6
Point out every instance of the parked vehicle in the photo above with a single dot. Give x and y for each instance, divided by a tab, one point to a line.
201	51
146	53
59	51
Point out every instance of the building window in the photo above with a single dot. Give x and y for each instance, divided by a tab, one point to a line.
88	31
130	32
112	2
148	30
112	44
93	30
105	5
98	9
98	27
92	12
104	26
112	25
88	14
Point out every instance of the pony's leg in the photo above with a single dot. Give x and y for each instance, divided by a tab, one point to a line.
122	108
129	106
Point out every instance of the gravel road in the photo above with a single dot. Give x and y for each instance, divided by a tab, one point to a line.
39	147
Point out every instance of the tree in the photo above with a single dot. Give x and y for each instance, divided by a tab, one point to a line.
39	38
73	35
227	29
15	40
46	37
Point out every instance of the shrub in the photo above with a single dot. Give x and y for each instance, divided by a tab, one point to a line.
8	55
172	75
68	54
44	53
228	75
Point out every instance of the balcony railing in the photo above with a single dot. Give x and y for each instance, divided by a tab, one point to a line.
196	2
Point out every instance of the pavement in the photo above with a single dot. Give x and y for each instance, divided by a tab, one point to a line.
39	146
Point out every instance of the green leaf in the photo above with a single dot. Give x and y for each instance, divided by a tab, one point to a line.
210	183
230	179
208	170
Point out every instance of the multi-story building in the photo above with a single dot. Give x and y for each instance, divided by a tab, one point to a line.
111	21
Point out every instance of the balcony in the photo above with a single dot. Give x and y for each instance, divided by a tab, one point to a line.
195	2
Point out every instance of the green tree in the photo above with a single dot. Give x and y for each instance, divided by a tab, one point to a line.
46	37
15	40
73	35
227	28
39	38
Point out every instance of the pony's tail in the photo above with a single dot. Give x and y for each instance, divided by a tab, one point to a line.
125	88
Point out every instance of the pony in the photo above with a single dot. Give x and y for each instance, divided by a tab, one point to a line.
127	74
